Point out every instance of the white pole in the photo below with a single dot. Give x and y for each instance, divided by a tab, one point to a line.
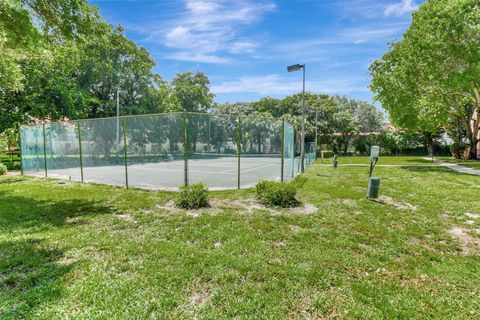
118	121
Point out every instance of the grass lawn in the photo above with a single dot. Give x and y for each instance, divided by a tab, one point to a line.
400	160
96	252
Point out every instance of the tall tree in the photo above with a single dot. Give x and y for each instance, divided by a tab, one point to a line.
431	76
192	91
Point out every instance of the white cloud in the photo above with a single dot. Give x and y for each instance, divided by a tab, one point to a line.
277	85
243	46
211	28
401	8
339	43
354	9
202	58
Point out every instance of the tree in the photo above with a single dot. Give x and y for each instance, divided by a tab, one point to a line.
430	77
192	91
11	138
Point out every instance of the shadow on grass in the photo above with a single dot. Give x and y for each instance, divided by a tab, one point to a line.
29	277
26	212
438	169
30	270
417	160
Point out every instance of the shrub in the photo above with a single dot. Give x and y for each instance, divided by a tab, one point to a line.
277	194
3	169
193	197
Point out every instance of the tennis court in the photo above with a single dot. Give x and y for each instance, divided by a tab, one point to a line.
163	151
216	174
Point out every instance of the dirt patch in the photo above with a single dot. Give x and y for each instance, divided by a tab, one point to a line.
242	206
415	282
126	217
170	207
65	261
305	208
200	299
469	244
399	205
473	216
279	243
295	228
413	241
349	202
364	246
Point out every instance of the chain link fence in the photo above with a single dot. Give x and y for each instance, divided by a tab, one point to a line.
164	151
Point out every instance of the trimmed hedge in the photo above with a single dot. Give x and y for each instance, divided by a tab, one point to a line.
193	197
277	194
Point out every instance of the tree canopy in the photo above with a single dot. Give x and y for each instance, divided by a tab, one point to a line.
429	79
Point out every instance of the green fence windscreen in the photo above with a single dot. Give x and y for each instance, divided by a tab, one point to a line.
212	150
155	154
103	151
32	151
62	150
289	152
261	150
159	152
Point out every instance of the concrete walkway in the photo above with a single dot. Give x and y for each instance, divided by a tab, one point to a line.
457	168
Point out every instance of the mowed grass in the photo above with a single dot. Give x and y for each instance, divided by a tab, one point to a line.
96	252
400	160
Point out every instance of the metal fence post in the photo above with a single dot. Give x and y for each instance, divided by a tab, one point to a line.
125	150
185	147
20	148
80	149
45	150
294	150
239	149
283	148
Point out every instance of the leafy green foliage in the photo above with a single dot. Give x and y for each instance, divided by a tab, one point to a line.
340	120
192	91
60	59
3	169
429	79
194	196
276	194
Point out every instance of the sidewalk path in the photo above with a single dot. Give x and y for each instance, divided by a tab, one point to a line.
457	168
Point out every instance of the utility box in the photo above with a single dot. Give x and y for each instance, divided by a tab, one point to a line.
373	188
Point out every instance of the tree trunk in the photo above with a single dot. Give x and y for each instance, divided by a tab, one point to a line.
429	143
472	134
474	140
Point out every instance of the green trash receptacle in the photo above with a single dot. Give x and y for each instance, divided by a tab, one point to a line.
373	188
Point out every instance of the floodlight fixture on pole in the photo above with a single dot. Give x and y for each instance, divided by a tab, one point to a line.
118	117
293	68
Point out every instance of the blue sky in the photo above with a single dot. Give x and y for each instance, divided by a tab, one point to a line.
244	46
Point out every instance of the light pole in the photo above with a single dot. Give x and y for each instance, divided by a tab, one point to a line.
316	132
118	116
293	68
